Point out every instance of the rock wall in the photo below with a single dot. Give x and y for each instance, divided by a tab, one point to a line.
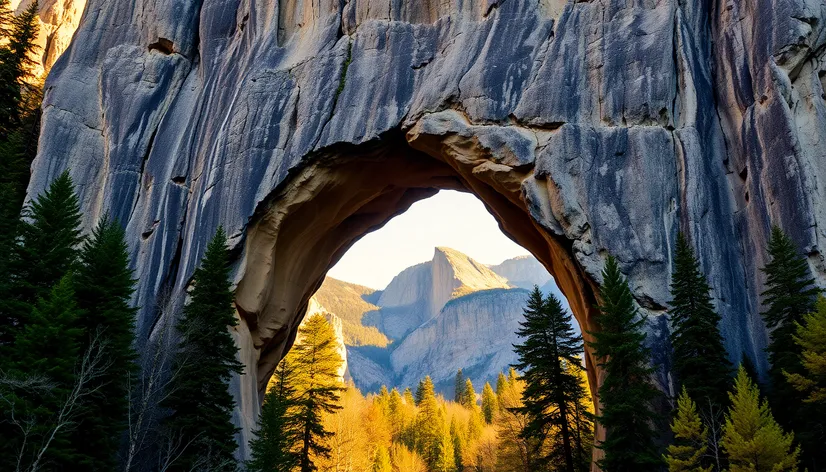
587	128
475	332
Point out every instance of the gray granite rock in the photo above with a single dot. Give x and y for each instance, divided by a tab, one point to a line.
613	124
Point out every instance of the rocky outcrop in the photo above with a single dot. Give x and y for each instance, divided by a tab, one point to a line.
587	128
418	293
58	21
523	272
474	330
475	333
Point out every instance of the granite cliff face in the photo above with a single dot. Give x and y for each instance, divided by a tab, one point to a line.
418	293
473	330
587	128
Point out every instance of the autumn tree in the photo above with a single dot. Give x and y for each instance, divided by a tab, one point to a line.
752	439
690	438
626	392
317	362
489	403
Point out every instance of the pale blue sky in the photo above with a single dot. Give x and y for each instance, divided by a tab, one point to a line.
454	219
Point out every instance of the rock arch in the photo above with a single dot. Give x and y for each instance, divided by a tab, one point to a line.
587	128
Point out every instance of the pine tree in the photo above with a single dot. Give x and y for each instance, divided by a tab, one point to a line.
422	388
47	250
811	337
47	346
790	294
317	362
274	448
459	388
700	361
199	395
626	393
549	344
104	287
690	436
468	395
501	387
752	438
15	64
489	403
433	439
408	397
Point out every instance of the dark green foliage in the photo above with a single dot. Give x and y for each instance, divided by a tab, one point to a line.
459	387
626	393
553	393
15	64
700	361
790	295
47	347
199	399
104	287
279	430
489	403
47	249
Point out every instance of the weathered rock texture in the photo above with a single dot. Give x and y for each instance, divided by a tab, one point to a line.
446	314
587	128
58	21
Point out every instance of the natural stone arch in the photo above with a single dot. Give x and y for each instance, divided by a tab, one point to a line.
351	190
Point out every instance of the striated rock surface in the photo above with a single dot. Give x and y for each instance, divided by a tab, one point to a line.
587	128
523	272
58	21
473	330
474	333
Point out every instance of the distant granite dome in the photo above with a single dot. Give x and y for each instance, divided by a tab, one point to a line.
449	313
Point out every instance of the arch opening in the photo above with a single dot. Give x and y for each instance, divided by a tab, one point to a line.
346	192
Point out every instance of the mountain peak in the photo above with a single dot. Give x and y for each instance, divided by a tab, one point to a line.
455	274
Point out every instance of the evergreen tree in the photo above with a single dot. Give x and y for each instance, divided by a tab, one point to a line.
459	388
489	403
790	294
317	363
104	287
47	250
422	389
433	436
752	439
15	64
199	395
626	393
700	361
501	387
468	395
47	346
408	397
811	337
690	436
549	344
274	448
